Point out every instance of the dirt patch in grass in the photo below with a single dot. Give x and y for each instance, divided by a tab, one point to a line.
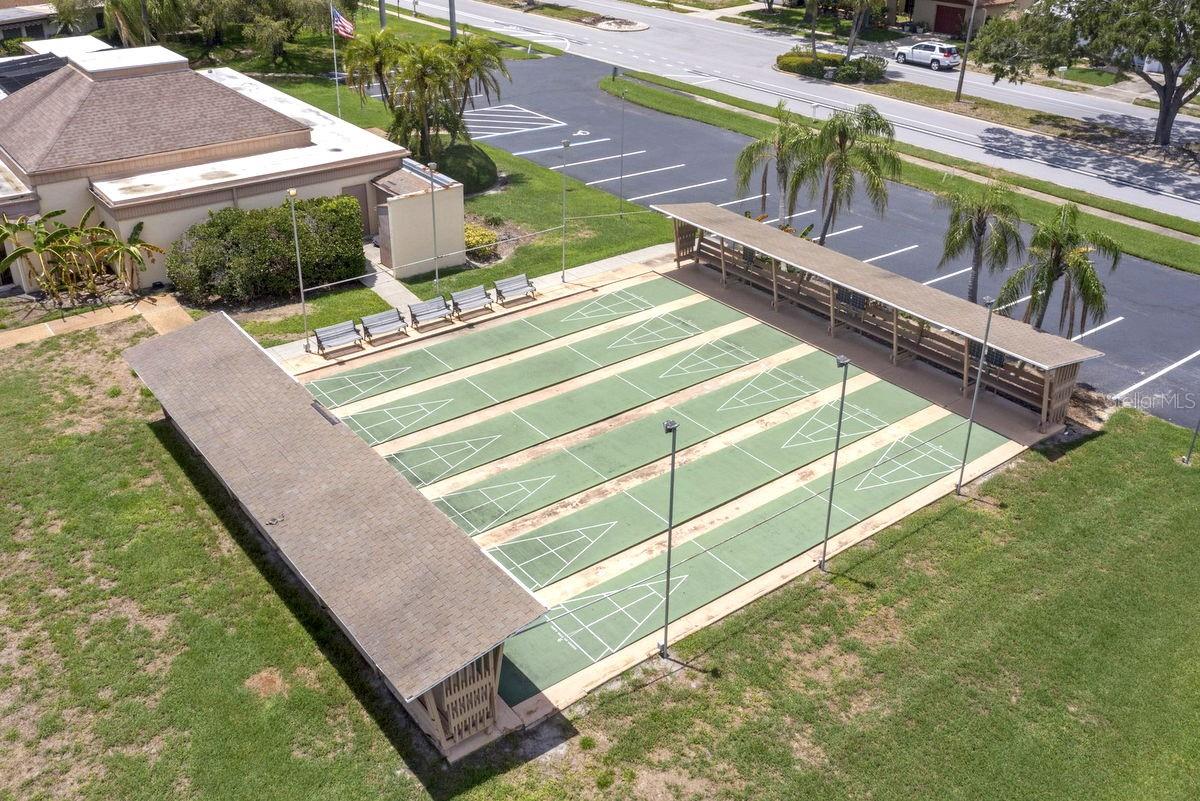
653	784
266	683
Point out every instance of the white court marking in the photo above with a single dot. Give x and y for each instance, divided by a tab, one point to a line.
507	119
499	499
559	549
405	416
856	422
709	358
772	386
657	330
363	384
646	598
618	303
447	455
902	471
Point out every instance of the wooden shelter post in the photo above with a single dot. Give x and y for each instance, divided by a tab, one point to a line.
775	284
895	335
832	306
678	243
723	279
966	365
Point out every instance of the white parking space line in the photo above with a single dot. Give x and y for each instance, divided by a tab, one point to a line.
635	174
1157	375
559	147
680	189
505	120
932	281
1014	303
893	253
1087	333
743	200
790	216
602	158
844	231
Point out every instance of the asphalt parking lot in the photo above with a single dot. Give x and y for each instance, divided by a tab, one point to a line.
1150	336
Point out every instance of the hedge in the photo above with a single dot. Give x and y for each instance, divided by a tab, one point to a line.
803	62
240	255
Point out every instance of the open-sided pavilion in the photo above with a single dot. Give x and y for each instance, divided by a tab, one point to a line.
1032	367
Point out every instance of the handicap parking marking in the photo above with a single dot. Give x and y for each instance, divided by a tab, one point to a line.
507	119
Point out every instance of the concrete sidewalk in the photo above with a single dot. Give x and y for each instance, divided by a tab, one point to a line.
162	312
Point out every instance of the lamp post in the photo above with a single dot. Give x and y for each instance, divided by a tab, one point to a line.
962	68
987	330
437	283
291	195
453	22
566	143
1192	448
672	428
844	363
382	14
621	160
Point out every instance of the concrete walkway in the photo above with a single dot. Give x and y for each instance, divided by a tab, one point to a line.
162	312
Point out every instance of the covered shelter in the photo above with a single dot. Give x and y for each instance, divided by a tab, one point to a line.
1031	367
424	606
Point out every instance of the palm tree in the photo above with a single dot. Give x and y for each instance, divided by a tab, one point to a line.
38	242
784	146
850	143
1060	250
128	257
478	66
426	75
985	221
370	58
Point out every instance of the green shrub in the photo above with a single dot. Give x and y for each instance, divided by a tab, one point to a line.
12	47
240	255
874	68
481	242
849	72
803	62
469	165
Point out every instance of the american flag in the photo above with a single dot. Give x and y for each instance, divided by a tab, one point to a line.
341	26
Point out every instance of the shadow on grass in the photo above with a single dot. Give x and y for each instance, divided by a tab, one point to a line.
383	707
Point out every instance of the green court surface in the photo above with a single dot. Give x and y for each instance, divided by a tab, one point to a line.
463	350
503	383
604	528
519	429
610	616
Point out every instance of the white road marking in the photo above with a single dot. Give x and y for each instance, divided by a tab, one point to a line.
602	158
635	174
844	231
1014	303
932	281
743	200
1089	332
1157	375
680	189
893	253
790	216
559	147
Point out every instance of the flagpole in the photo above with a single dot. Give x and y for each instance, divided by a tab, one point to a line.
337	84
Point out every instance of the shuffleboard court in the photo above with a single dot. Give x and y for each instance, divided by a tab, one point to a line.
515	431
601	621
602	529
457	398
446	354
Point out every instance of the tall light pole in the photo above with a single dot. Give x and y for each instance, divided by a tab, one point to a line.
672	428
962	68
987	330
382	14
453	22
437	282
844	363
291	195
566	143
621	161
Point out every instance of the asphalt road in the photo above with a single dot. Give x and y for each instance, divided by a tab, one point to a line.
1153	319
739	61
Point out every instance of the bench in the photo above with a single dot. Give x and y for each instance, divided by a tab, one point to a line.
336	336
512	288
430	310
469	300
383	324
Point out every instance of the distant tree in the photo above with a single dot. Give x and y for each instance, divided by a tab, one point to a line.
68	14
784	147
1062	252
862	11
1121	33
269	36
478	66
983	220
142	22
850	144
371	58
425	73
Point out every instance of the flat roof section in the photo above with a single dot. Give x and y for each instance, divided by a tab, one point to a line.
1012	337
67	46
413	592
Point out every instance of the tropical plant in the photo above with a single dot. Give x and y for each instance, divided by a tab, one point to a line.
984	221
478	66
141	22
785	146
370	59
127	257
862	11
850	144
1062	251
68	15
425	73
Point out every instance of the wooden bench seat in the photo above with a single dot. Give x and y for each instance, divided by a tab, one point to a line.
337	336
469	300
383	324
518	286
430	311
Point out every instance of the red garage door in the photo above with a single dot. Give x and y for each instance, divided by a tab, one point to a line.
949	20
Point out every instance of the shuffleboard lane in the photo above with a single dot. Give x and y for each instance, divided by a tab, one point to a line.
573	542
594	625
457	398
446	354
545	420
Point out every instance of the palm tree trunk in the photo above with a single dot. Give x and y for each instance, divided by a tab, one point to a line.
976	268
763	197
830	213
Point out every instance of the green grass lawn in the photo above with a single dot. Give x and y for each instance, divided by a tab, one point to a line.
1039	645
1096	77
681	100
324	308
793	21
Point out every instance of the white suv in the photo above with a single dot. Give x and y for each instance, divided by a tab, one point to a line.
935	54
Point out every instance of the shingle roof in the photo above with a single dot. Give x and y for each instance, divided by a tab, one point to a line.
69	119
1013	337
417	595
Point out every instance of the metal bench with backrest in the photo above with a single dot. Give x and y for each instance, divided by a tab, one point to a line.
383	324
512	288
430	311
469	300
337	336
